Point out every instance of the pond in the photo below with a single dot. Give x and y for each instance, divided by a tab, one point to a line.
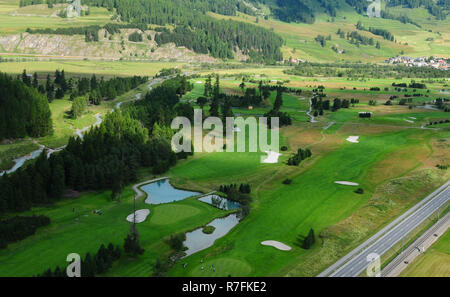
162	191
197	240
219	202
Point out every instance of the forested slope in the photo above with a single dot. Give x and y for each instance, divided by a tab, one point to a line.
197	31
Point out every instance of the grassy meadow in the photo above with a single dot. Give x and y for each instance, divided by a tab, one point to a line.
15	19
99	68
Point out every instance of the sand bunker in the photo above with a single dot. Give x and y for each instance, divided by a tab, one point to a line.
346	183
272	157
276	244
141	215
353	139
409	121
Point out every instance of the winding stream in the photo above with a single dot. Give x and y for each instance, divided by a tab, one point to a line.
33	155
310	110
80	132
18	162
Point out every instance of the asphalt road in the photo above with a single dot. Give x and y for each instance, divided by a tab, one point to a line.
354	263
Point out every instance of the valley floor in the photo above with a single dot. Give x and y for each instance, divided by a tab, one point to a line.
394	161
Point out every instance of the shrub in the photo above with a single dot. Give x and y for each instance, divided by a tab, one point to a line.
359	191
135	37
287	181
176	241
208	229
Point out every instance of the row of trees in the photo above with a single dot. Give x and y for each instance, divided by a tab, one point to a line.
91	32
252	96
365	70
319	105
96	90
17	228
23	110
23	3
376	31
243	188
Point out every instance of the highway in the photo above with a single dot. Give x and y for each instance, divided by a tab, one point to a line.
354	263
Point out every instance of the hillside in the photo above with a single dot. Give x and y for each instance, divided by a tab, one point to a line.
257	30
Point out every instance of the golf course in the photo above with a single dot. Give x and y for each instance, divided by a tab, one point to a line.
91	93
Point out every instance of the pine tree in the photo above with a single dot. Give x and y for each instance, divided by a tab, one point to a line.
309	240
35	80
26	80
208	87
278	100
242	86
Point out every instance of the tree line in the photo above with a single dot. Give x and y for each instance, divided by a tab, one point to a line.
19	227
380	32
95	89
365	70
243	188
90	32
